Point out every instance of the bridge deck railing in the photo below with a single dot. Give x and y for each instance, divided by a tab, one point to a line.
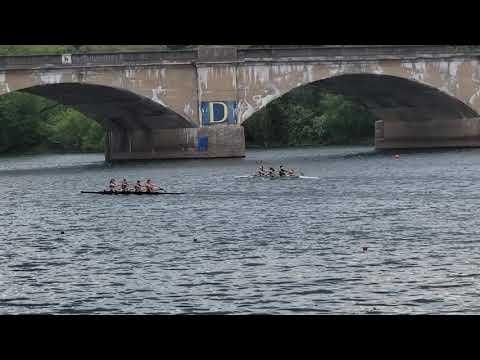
355	51
240	54
134	57
94	59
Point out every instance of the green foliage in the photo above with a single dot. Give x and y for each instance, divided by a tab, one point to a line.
307	116
29	122
19	126
70	130
63	49
35	49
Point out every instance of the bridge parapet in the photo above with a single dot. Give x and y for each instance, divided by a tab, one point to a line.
217	53
232	54
97	59
351	53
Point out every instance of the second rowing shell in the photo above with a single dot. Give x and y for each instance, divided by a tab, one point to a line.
275	177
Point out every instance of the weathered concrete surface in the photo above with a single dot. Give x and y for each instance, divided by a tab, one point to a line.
128	94
221	141
427	134
179	80
143	93
114	107
376	83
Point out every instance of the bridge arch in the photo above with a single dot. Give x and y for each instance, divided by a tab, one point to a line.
160	86
133	123
451	82
114	108
389	98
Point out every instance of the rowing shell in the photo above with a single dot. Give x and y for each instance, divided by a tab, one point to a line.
129	193
275	177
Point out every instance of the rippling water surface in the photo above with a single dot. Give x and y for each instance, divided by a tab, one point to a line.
276	247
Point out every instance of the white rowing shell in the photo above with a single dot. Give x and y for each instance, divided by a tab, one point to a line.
275	177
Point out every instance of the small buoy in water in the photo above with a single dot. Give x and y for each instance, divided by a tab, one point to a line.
365	249
195	240
397	156
63	232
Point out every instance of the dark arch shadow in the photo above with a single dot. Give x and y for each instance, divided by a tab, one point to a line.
393	98
113	107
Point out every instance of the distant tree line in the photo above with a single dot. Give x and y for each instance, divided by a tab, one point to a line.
309	116
32	123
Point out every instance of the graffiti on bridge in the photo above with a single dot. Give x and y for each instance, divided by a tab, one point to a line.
219	112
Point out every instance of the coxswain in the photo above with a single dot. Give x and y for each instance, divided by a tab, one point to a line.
281	171
149	186
124	185
291	172
138	186
112	185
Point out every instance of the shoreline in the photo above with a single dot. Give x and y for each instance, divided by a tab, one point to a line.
46	152
274	146
248	147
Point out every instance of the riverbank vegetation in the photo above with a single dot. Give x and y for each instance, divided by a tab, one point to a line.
308	116
31	123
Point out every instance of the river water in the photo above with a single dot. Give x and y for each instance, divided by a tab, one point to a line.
268	247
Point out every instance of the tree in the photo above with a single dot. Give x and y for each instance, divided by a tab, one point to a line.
309	116
31	122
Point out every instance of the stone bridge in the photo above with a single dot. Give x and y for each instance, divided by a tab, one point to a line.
192	103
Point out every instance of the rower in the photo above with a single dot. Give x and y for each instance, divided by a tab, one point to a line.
112	185
291	172
271	172
138	186
281	171
149	186
260	171
124	185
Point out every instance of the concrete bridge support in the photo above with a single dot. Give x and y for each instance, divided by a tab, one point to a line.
189	143
427	134
222	141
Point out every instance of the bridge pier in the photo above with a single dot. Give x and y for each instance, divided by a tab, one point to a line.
427	134
221	141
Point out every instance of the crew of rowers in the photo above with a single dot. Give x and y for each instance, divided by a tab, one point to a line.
138	186
261	171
